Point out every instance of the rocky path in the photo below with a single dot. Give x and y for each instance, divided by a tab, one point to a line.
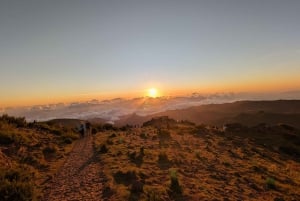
79	177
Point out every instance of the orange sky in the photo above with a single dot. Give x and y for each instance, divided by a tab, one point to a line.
52	52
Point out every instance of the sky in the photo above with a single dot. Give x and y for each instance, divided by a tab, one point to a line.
59	50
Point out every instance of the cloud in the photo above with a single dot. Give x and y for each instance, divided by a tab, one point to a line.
111	110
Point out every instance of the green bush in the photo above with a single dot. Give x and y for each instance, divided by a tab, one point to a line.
16	185
175	186
270	182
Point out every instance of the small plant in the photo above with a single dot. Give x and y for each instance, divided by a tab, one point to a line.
163	161
50	150
103	149
164	134
137	187
94	131
132	155
270	182
121	140
226	164
125	178
68	137
113	135
153	196
175	186
163	157
142	151
144	135
197	153
109	142
31	160
6	138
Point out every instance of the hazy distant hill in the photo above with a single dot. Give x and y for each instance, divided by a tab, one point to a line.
69	123
246	112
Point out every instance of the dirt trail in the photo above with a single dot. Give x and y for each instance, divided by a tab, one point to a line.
79	177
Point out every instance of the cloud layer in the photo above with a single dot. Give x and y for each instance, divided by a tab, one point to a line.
111	110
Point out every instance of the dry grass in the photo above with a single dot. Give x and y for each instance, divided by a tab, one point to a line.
37	147
185	162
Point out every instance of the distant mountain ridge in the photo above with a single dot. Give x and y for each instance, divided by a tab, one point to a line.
246	112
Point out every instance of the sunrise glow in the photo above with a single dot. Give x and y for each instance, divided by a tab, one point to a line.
152	92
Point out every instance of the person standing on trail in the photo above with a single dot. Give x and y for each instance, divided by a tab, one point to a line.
88	128
82	130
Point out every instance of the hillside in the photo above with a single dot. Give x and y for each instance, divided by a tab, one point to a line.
163	160
246	112
169	160
30	154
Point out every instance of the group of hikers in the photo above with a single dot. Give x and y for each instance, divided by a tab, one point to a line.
85	129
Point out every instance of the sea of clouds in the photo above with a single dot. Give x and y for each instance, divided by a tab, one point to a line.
111	110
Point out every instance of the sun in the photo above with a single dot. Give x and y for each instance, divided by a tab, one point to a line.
152	92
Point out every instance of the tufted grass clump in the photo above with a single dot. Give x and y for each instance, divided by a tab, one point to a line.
270	183
16	185
174	185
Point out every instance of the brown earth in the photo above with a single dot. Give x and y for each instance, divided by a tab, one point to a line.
79	178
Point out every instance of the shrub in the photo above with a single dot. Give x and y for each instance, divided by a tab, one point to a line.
143	135
6	138
50	150
142	151
175	186
164	134
153	196
226	164
109	142
137	187
121	140
94	131
9	137
16	185
125	178
18	121
132	156
103	149
30	160
112	135
68	137
109	127
163	157
57	132
163	161
270	182
67	140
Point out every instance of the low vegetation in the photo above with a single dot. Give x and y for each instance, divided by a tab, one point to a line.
161	161
168	160
17	184
29	153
